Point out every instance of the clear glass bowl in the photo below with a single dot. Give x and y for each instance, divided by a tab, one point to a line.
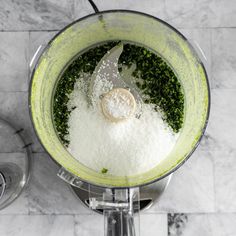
14	163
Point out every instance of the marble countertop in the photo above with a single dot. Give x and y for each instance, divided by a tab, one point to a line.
200	200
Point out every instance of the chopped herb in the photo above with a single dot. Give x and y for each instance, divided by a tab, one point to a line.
104	170
159	84
84	63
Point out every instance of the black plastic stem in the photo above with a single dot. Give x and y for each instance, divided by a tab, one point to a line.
93	6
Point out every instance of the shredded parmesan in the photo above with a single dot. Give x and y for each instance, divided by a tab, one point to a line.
126	148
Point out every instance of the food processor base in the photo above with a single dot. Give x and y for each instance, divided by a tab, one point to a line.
149	194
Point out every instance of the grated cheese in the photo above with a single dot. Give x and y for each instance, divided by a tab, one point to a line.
125	148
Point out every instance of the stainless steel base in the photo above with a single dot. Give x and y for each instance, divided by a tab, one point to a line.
149	194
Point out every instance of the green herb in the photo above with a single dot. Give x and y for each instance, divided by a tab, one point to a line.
104	170
84	63
158	82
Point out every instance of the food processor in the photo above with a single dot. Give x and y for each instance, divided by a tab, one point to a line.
119	197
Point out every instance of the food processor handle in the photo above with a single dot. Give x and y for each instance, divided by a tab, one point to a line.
119	223
69	178
119	206
36	57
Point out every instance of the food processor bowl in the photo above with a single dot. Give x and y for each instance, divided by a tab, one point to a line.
140	29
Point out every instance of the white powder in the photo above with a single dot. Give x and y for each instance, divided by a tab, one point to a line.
126	148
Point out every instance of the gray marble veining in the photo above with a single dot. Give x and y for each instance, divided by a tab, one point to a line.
191	189
53	15
225	184
93	225
48	194
14	108
224	58
22	225
200	224
152	7
222	125
176	223
190	14
35	15
220	141
9	140
201	13
14	61
223	129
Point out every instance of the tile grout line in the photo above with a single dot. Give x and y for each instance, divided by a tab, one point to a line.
29	60
14	91
211	62
211	67
25	31
74	225
56	30
28	65
214	87
91	214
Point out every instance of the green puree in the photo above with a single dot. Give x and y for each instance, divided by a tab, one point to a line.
155	79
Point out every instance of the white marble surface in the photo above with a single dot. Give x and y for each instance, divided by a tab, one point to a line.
14	61
48	194
224	54
152	225
222	129
35	15
191	188
50	225
201	197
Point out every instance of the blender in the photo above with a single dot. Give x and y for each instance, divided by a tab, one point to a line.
119	197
